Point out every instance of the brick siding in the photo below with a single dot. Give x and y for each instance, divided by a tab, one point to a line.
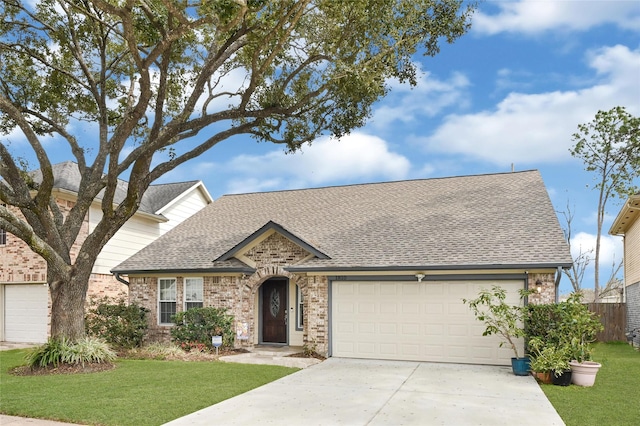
19	264
238	293
547	293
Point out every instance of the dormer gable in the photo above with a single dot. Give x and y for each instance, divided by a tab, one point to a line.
272	244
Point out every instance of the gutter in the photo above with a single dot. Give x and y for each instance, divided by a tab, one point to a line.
119	278
557	283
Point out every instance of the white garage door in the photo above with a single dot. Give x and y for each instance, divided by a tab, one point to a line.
418	321
26	313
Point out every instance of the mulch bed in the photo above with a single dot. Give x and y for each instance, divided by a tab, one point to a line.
62	369
106	366
308	355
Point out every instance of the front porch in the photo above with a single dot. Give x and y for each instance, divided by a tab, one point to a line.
273	355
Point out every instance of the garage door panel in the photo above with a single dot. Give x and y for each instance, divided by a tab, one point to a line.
26	313
424	321
388	308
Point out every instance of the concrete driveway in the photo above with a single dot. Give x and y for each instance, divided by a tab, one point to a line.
370	392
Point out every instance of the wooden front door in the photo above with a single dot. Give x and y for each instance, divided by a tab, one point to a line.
274	311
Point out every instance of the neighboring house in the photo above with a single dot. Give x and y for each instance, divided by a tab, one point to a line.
369	271
25	313
627	225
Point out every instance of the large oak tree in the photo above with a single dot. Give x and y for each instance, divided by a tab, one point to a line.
178	77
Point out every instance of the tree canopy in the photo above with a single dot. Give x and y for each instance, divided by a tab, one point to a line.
609	145
115	82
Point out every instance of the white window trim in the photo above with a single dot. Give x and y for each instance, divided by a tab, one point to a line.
160	280
201	279
299	308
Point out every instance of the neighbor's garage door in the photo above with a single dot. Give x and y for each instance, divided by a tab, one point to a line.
408	320
26	313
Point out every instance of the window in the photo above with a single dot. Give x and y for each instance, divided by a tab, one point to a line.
300	309
192	293
167	300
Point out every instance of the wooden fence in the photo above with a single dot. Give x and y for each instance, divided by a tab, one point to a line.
614	318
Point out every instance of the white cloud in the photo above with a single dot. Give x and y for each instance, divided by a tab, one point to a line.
534	128
354	158
431	95
610	248
537	16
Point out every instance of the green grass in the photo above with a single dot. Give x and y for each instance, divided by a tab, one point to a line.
136	392
613	400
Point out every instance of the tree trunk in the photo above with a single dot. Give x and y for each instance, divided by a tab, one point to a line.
68	297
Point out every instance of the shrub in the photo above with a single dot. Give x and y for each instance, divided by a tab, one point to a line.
566	325
543	321
195	327
120	324
62	351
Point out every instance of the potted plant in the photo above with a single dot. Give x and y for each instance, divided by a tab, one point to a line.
579	331
548	360
502	319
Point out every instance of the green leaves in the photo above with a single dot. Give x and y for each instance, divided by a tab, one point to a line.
499	317
198	325
610	146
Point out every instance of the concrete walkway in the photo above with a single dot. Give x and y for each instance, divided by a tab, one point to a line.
369	392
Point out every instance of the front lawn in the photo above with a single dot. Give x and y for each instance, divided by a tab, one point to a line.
613	400
136	392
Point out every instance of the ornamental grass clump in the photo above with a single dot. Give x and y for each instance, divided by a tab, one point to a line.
63	351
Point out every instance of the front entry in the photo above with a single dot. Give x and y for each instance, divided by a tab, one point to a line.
273	300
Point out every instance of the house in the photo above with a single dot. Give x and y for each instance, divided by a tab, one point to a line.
25	313
370	271
627	225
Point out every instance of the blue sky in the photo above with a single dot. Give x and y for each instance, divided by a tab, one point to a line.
510	92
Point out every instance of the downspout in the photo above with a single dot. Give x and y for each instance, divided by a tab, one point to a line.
557	283
122	280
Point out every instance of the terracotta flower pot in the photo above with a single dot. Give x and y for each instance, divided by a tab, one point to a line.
584	373
544	377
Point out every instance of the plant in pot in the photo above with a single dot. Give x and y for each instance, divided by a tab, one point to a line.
578	331
548	360
502	319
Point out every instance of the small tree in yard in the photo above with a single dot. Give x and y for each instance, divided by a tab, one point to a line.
610	147
500	318
580	261
134	88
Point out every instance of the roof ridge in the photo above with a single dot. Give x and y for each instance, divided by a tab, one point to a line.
383	182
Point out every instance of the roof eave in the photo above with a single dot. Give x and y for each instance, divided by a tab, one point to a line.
524	266
240	270
626	217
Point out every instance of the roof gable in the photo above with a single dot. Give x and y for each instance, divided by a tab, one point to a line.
66	176
481	221
268	229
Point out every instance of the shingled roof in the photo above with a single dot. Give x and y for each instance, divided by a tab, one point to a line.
482	221
66	175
